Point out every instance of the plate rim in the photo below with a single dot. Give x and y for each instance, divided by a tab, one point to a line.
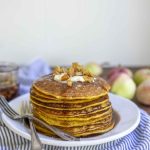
77	143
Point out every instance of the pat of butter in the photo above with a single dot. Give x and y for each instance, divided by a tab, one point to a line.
58	77
77	78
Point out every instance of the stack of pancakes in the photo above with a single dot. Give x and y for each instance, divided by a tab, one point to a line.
82	109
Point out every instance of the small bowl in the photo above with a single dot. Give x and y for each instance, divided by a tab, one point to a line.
9	84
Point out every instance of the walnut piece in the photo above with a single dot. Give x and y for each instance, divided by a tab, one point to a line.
86	72
69	82
71	71
87	78
65	77
57	70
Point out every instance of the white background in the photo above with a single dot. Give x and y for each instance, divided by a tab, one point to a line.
62	31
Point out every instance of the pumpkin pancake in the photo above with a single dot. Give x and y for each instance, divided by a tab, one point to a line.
80	117
51	99
83	131
63	113
79	90
70	106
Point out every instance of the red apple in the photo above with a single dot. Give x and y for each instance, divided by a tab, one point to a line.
115	72
120	70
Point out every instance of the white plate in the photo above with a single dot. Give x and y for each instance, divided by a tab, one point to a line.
129	120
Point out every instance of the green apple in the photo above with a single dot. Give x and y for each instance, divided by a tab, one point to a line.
94	69
141	75
124	86
143	92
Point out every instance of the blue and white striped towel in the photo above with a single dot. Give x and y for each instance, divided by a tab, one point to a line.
139	139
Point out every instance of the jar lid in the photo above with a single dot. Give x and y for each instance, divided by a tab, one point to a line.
8	67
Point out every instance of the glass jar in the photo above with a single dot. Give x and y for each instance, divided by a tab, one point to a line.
8	80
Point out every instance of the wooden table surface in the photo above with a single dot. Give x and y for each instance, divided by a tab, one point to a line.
105	72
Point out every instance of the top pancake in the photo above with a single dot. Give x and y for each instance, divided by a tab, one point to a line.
79	90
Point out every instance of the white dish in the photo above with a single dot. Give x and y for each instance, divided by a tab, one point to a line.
129	120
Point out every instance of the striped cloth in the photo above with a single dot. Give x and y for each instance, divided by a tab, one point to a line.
139	139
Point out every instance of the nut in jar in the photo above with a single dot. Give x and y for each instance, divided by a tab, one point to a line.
8	80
